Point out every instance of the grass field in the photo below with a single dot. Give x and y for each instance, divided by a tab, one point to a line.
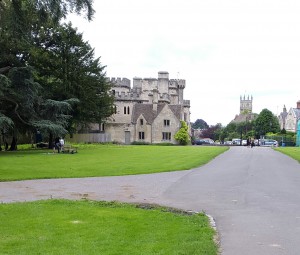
293	152
103	160
86	227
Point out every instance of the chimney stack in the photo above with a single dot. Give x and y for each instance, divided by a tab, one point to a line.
155	99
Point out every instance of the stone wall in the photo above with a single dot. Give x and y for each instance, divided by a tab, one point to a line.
158	126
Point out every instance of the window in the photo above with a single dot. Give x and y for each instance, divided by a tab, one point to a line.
166	136
166	123
101	127
141	135
126	110
141	122
115	109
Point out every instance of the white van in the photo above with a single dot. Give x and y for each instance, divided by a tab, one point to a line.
236	141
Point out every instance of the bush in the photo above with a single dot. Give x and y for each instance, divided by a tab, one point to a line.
182	136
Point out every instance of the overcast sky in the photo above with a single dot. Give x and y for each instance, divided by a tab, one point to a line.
222	48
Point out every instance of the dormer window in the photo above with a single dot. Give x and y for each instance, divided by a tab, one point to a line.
141	122
166	123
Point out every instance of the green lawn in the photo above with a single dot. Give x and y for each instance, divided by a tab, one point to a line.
103	160
293	152
87	227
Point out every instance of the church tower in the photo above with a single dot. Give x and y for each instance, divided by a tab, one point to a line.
246	104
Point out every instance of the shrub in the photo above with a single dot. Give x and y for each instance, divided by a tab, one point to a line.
182	136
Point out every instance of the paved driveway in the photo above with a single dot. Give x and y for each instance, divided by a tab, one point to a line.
253	195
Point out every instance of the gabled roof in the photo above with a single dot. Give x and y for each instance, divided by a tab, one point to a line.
147	111
176	109
297	112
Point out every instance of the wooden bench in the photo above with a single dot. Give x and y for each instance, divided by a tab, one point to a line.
68	148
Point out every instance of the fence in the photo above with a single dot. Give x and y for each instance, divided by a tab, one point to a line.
283	140
89	138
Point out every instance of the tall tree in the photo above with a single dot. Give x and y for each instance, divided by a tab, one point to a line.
213	132
266	122
200	124
24	110
31	34
66	67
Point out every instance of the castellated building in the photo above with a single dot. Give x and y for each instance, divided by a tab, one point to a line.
149	111
246	113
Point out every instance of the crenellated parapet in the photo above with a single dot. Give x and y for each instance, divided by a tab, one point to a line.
120	82
170	91
131	96
187	103
177	83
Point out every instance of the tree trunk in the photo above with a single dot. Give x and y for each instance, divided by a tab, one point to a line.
50	145
13	146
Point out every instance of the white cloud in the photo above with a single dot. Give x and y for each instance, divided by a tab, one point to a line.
223	48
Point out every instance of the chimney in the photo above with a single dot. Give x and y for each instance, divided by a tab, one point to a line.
155	99
298	104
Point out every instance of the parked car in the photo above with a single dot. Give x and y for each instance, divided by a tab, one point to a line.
236	141
207	141
268	142
197	142
244	142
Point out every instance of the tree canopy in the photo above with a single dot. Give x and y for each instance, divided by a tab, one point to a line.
266	122
200	124
50	80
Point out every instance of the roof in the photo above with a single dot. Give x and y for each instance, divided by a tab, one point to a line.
283	115
297	112
244	117
147	111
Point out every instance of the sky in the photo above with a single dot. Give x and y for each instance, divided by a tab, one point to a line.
224	49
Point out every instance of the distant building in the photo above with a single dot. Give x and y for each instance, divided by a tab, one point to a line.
282	118
245	110
289	123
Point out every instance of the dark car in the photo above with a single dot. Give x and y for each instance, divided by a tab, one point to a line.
197	142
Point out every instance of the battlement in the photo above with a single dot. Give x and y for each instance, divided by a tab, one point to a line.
120	82
177	83
186	103
244	98
130	96
246	104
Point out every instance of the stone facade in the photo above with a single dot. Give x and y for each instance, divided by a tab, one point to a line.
245	110
282	118
288	120
149	111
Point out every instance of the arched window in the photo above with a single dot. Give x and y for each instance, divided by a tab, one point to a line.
128	110
124	109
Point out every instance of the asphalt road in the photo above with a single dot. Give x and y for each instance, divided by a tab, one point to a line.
253	195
